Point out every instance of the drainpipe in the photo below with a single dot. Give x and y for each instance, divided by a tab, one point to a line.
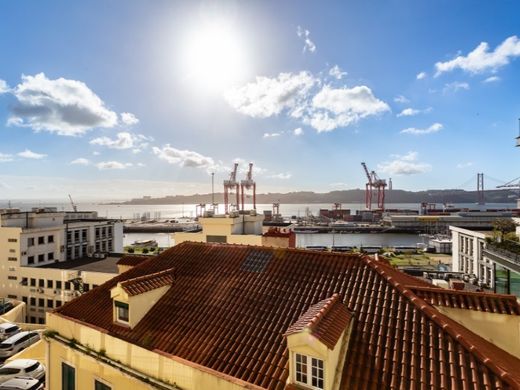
47	362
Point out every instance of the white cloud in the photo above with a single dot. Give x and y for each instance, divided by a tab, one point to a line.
298	131
336	72
141	165
491	79
455	86
413	111
95	153
464	165
129	119
61	106
270	96
401	99
339	107
80	161
3	86
281	176
5	157
271	135
184	158
124	140
481	59
432	129
104	165
304	34
421	75
32	155
404	165
297	95
409	112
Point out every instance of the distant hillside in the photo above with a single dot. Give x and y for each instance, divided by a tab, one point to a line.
347	196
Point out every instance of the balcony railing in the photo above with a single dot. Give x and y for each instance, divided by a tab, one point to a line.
509	250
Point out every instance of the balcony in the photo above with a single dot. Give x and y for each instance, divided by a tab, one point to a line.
506	253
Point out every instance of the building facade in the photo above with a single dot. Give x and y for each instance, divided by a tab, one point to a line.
38	250
219	316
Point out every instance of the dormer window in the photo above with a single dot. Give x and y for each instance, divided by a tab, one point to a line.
317	343
132	298
309	371
122	312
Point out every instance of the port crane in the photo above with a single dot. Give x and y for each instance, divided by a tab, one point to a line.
374	185
248	184
74	207
231	187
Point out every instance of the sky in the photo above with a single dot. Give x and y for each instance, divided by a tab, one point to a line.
120	99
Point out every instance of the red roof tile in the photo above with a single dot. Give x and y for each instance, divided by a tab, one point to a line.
479	301
231	318
326	321
132	260
148	282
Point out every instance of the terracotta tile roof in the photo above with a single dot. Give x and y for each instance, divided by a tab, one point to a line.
457	299
145	283
326	320
225	317
132	260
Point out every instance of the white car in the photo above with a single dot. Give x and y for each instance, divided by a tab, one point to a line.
26	368
7	330
22	384
16	343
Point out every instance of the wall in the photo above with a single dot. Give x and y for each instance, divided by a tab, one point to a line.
186	375
503	330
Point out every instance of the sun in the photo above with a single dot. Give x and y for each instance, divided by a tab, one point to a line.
213	56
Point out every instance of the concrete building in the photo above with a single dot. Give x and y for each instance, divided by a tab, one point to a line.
219	316
495	265
238	228
44	256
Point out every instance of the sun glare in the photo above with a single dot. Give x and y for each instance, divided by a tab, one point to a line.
213	57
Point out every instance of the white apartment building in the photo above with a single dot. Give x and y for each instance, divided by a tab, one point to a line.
468	254
48	257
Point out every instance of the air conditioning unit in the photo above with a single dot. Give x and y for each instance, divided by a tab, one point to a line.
24	253
39	290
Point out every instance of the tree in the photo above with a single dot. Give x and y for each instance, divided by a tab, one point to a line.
503	227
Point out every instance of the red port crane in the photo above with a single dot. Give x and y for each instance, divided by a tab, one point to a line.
374	185
231	187
248	184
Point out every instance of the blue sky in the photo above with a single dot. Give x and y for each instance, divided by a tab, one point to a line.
118	99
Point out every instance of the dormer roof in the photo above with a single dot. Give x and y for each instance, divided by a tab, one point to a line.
148	282
326	320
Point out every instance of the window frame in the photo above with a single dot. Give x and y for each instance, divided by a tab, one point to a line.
103	384
65	386
118	305
311	370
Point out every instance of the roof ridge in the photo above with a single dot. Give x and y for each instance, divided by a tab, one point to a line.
448	325
465	292
330	302
148	276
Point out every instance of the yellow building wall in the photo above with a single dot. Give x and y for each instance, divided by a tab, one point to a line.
503	330
306	344
246	239
36	351
5	252
16	314
167	369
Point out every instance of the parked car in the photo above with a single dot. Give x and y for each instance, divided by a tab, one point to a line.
5	307
22	384
16	343
26	368
7	330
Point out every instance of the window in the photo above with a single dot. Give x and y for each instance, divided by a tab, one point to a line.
58	284
69	236
50	239
50	256
76	235
122	314
30	241
12	240
25	281
41	283
41	321
33	282
67	285
30	260
101	386
58	303
12	250
309	371
41	240
12	296
25	300
49	283
41	258
33	301
41	302
84	234
12	259
12	277
50	303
